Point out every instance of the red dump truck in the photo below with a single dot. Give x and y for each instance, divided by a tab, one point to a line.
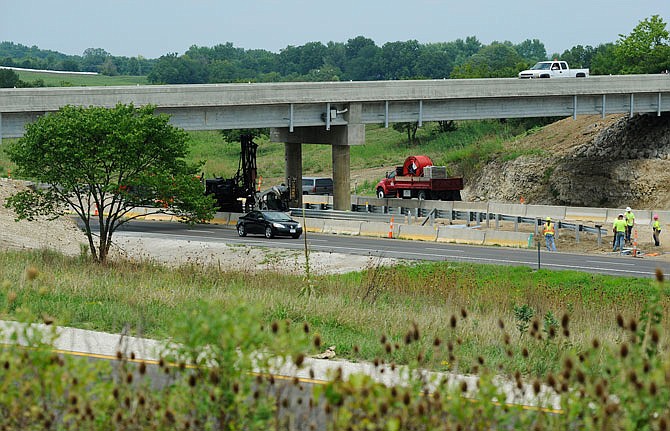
419	178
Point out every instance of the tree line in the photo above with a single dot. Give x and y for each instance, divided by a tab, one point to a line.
645	50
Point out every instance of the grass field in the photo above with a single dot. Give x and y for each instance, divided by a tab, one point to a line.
460	304
79	80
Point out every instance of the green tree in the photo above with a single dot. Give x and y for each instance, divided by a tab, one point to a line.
8	78
172	69
409	128
399	59
434	61
531	50
646	49
604	61
364	60
497	60
94	58
579	56
102	163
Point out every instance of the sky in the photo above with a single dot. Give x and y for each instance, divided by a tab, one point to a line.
152	28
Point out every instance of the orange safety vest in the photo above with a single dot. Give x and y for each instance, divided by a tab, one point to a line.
549	229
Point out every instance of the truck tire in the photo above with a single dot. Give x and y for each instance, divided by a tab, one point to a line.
544	76
380	193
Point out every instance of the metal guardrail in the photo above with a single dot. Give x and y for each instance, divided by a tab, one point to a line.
424	215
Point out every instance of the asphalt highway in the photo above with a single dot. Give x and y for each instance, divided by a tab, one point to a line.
606	263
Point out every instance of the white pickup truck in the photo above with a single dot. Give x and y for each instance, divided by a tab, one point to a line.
553	69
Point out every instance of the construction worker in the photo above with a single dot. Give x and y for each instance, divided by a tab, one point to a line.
619	230
656	227
549	233
630	222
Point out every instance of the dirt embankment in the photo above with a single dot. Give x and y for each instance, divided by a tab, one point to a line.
613	162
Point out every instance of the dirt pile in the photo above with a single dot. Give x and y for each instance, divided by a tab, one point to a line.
61	235
612	162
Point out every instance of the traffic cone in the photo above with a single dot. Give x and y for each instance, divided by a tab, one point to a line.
260	182
96	210
634	242
391	229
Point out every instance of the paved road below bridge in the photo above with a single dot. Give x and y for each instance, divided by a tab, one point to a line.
605	263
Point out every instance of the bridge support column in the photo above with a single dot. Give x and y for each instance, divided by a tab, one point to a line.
293	170
341	178
340	137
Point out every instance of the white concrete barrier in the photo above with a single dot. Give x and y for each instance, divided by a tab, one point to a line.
316	199
379	229
596	215
516	210
642	217
422	233
221	218
613	213
460	236
362	200
311	224
508	239
544	211
406	203
471	206
233	218
443	205
342	227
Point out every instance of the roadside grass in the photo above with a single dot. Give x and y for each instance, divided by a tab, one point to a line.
596	343
470	306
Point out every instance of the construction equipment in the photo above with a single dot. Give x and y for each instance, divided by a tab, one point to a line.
419	178
239	194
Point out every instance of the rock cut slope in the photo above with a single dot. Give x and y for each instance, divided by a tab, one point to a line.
589	161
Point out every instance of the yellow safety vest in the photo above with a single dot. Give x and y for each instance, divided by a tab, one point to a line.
620	225
630	218
549	229
657	225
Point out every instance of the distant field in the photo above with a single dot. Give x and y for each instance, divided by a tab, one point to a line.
77	80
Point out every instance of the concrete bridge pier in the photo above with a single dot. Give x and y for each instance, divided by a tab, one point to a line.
293	172
340	137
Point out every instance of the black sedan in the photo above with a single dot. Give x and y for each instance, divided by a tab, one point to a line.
268	223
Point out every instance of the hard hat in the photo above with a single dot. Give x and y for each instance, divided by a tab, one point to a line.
620	215
548	218
627	208
655	216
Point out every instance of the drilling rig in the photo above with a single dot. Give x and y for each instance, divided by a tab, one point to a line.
239	194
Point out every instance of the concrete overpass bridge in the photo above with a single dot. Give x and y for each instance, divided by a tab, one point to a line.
335	113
